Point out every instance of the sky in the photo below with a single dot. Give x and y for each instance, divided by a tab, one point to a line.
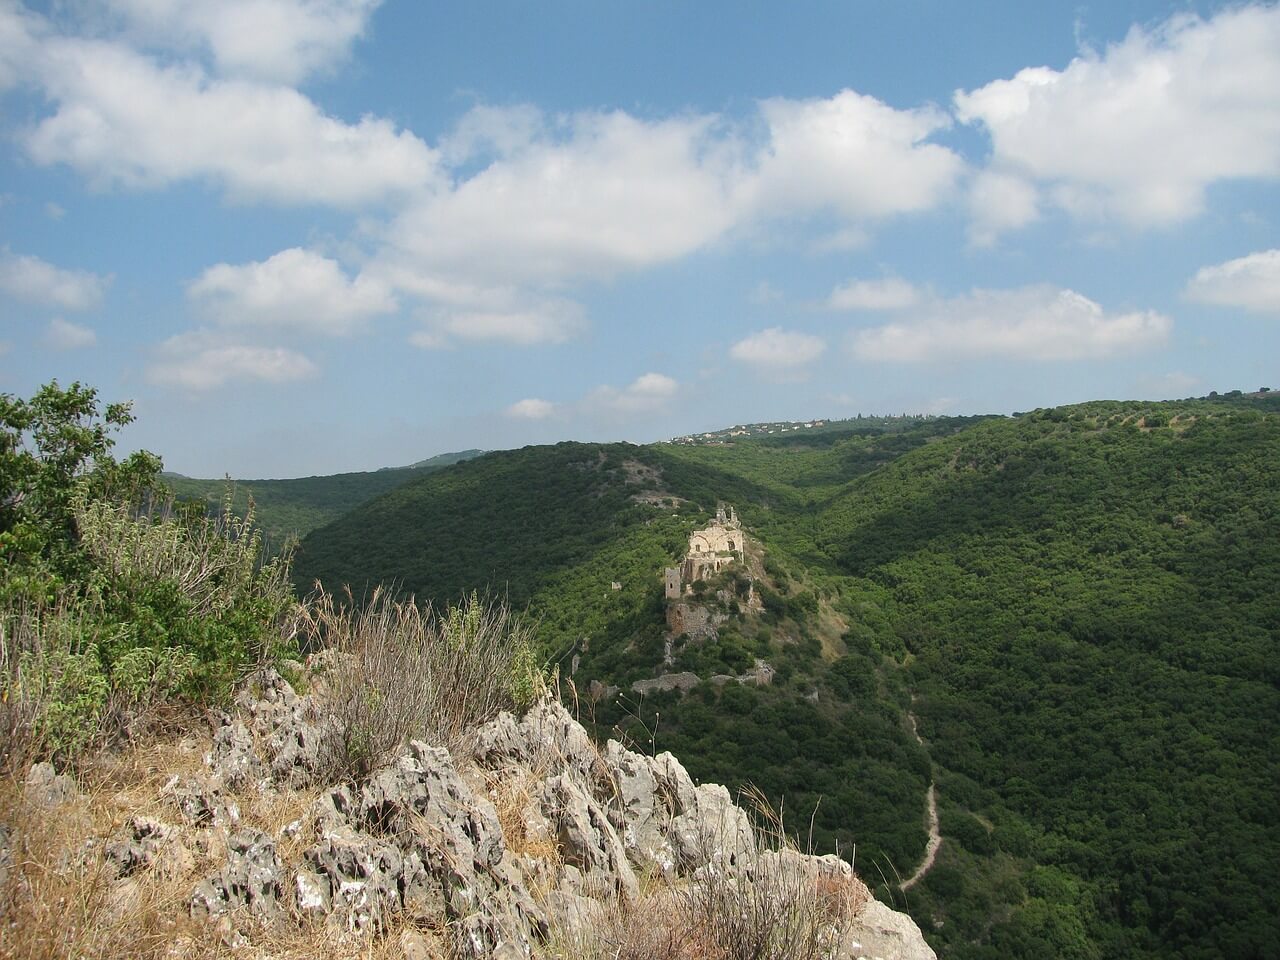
312	236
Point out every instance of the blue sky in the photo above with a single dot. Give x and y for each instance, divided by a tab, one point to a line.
306	236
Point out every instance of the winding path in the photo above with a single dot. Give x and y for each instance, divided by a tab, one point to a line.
935	836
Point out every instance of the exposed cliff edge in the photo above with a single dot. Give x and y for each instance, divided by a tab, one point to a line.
539	844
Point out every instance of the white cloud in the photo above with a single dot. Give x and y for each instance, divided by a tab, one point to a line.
1143	128
999	202
649	392
122	119
38	281
553	321
531	408
605	193
1251	282
200	360
294	288
277	40
888	293
853	155
20	35
1029	323
64	335
778	352
54	211
559	200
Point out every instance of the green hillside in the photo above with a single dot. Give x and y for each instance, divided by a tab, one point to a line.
1080	606
293	508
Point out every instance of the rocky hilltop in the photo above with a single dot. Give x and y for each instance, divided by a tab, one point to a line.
537	844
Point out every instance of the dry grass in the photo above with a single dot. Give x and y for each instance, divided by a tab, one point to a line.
62	898
403	672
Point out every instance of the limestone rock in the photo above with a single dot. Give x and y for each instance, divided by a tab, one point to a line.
139	845
46	788
882	932
587	839
714	829
201	801
251	878
233	758
354	876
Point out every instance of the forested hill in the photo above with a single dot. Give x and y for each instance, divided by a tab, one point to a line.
1080	605
293	508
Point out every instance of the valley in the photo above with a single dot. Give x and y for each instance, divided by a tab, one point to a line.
1081	605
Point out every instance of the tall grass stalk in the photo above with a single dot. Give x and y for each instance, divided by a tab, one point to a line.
400	671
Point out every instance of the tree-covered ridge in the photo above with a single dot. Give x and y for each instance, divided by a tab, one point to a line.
1091	600
293	508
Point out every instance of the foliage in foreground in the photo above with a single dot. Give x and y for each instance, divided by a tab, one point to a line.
115	604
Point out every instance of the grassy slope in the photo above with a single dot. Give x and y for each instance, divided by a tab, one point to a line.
1083	601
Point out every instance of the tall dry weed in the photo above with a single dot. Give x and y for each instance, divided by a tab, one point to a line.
400	671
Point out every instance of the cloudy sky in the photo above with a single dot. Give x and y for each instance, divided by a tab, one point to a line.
306	236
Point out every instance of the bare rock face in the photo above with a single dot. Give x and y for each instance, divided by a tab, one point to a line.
882	932
416	838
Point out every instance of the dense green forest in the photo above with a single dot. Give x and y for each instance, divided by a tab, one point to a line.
287	509
1080	606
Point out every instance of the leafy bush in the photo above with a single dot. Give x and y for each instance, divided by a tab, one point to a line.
111	601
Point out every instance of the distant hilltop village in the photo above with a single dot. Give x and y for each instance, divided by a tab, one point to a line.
777	428
711	549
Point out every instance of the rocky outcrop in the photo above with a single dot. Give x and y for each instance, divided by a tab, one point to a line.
540	836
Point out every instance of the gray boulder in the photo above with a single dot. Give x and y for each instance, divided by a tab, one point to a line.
251	879
44	787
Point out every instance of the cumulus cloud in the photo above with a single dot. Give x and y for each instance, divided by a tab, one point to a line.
64	335
200	360
277	40
851	154
38	281
778	352
649	392
553	321
531	408
999	202
607	192
887	293
1141	129
1029	323
1251	282
557	200
294	288
123	119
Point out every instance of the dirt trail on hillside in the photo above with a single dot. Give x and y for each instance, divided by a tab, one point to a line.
935	836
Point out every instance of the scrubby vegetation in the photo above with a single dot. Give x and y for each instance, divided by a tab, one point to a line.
118	605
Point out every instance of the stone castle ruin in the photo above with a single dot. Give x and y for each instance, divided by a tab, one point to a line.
711	549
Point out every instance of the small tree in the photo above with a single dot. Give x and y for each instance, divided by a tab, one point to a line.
54	447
